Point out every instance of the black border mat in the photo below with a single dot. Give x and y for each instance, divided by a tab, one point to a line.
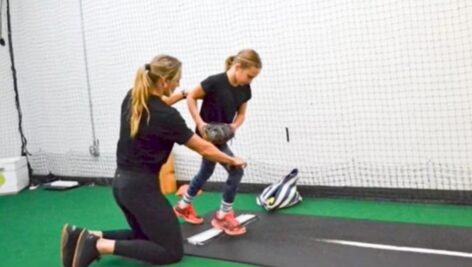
292	240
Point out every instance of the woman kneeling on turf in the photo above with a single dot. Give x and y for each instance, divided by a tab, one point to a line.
149	128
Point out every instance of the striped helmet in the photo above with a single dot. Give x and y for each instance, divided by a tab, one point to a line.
281	194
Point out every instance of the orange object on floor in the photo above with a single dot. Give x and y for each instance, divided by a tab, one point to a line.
166	177
183	188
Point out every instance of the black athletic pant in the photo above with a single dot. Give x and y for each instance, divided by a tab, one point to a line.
155	235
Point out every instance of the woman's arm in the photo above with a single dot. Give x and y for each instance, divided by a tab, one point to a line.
174	98
210	152
192	97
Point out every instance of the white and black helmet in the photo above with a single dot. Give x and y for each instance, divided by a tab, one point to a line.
281	194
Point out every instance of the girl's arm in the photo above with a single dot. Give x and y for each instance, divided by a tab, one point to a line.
192	97
239	119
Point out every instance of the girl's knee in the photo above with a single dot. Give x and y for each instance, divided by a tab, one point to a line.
205	173
237	172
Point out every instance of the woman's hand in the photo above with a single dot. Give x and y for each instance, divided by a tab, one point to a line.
238	162
184	93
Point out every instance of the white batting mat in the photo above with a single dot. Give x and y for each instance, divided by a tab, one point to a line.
205	236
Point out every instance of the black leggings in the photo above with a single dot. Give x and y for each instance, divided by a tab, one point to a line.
155	235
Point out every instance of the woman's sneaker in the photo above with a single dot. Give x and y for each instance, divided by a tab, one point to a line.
69	236
228	223
86	250
188	214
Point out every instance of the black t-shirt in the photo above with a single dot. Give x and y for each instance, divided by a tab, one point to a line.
222	100
150	148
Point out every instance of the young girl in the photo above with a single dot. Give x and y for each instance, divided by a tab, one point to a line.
225	96
149	128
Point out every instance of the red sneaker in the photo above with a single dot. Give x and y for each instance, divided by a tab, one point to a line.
228	223
188	213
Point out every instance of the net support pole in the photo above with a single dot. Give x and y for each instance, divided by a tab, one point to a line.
94	149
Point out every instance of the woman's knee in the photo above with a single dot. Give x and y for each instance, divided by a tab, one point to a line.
177	255
173	257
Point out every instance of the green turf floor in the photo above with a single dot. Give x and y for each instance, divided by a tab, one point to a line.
31	221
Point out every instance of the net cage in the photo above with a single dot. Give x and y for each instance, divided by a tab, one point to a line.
369	98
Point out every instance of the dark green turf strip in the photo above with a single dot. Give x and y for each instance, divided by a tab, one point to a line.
31	221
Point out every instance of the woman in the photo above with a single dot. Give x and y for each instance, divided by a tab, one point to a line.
149	129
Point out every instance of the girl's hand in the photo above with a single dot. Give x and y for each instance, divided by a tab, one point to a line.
201	127
233	127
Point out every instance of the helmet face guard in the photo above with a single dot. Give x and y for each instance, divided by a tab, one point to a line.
281	194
